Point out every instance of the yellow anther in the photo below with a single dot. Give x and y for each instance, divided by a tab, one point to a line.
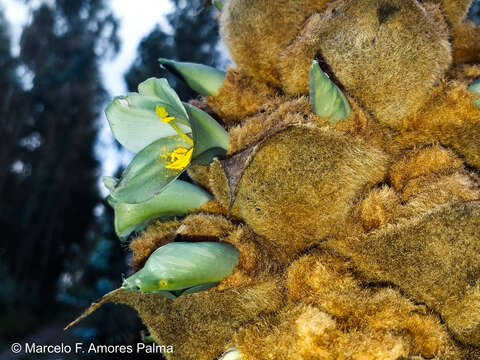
179	159
161	112
168	119
163	115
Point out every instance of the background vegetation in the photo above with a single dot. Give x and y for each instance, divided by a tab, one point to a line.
58	251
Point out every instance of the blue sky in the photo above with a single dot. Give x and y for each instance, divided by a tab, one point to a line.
137	19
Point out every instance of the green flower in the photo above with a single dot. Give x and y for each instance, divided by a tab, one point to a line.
181	268
169	136
177	199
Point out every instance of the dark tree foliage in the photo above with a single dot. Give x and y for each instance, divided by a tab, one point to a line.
96	270
194	38
48	170
475	11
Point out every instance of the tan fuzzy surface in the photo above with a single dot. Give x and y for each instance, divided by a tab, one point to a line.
431	160
213	207
331	316
199	174
300	186
449	117
466	42
255	264
219	184
156	235
378	208
204	227
466	73
224	311
455	10
434	258
283	111
249	28
239	97
390	67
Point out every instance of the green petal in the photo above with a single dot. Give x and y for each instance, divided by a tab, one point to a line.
147	175
326	98
198	288
177	199
218	4
203	79
185	265
231	354
210	138
475	87
136	127
110	182
150	103
161	89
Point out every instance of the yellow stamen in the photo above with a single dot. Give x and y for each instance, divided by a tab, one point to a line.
179	159
164	116
161	112
168	119
181	133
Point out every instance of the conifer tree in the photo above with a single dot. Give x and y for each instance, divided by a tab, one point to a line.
194	38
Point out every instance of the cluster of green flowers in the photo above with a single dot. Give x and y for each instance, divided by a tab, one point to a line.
167	137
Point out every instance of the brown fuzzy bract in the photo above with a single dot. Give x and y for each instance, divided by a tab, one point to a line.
442	270
300	186
254	43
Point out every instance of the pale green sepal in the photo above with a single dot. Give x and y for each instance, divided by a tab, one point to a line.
111	201
177	199
150	103
202	79
326	98
210	138
147	175
218	4
110	182
161	89
181	266
231	354
475	87
136	127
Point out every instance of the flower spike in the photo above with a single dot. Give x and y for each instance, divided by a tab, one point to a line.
326	98
133	117
203	79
